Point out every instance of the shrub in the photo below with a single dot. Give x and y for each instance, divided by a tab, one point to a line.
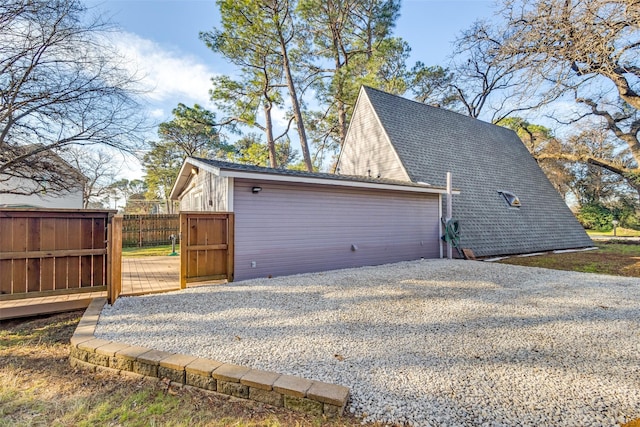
596	217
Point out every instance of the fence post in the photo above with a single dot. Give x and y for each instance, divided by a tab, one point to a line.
114	256
183	250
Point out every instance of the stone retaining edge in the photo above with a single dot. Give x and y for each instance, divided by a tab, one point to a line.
286	391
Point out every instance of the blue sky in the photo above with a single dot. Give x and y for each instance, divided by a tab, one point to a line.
160	40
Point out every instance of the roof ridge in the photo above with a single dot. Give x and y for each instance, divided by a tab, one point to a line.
432	107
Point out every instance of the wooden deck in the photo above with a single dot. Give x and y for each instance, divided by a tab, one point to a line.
146	275
142	275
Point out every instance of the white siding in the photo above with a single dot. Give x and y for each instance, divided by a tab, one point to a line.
69	200
206	192
367	151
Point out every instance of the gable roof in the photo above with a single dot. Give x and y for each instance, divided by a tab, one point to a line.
237	170
484	160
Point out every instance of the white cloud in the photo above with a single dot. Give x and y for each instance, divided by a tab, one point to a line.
157	113
279	117
165	74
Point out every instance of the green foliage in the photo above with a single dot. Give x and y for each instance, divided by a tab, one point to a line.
193	130
332	48
351	43
300	166
162	164
528	132
432	85
627	211
596	217
237	100
163	250
251	150
249	38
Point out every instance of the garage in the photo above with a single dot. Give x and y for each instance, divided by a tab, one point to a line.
289	222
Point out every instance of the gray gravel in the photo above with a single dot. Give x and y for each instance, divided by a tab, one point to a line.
424	343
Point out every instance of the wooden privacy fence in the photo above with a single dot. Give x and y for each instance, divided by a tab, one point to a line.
54	252
149	230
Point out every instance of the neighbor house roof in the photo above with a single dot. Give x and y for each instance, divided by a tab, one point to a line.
484	160
237	170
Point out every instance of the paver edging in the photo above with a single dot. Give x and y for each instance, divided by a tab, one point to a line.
294	393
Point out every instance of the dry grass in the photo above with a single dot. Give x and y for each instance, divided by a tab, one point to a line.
620	232
38	387
611	258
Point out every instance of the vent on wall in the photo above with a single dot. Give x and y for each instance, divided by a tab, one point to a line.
511	199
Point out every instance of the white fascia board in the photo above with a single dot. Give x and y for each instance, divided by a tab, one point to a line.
202	165
334	182
178	186
184	176
230	195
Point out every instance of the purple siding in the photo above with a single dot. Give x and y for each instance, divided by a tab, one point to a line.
297	228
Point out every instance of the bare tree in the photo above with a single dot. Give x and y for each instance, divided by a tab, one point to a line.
61	85
594	183
479	80
588	50
99	172
573	43
483	81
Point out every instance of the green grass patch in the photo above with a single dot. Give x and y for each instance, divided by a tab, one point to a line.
620	249
610	258
620	232
150	251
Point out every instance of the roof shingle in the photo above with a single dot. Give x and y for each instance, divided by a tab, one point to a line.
484	160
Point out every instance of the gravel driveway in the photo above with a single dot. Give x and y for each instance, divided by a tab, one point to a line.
425	343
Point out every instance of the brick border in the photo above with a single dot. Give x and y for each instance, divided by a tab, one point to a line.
286	391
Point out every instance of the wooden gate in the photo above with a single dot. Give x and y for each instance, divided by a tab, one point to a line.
206	246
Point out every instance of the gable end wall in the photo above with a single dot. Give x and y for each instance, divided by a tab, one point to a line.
206	192
366	150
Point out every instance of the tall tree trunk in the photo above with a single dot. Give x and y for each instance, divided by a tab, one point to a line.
336	25
339	95
340	105
295	103
268	125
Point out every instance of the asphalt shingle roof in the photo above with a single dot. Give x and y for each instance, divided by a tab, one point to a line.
484	159
221	164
